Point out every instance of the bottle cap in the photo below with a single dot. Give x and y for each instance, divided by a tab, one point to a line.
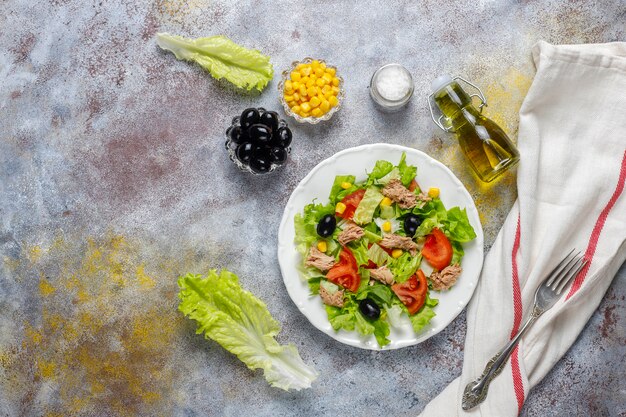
440	82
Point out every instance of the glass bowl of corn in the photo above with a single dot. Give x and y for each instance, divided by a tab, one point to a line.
311	91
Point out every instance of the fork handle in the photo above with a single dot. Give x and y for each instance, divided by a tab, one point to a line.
476	391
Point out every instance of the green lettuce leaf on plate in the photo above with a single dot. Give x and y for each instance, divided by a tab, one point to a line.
223	58
242	324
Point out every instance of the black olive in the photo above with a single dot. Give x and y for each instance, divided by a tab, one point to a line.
369	309
236	135
411	223
278	155
326	225
244	152
282	137
259	133
270	119
249	117
260	164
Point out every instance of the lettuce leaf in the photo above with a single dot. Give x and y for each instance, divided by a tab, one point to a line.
305	225
457	225
242	324
337	188
407	172
350	318
365	210
420	319
223	58
403	267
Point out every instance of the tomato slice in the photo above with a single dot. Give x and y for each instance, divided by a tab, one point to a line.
412	292
351	202
413	185
437	249
345	272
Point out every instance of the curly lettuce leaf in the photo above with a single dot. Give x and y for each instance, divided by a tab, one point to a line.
350	318
405	266
223	58
305	225
457	225
242	324
337	192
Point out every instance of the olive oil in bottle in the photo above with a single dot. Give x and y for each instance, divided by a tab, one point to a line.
488	149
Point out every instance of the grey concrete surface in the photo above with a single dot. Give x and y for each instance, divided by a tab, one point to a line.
114	180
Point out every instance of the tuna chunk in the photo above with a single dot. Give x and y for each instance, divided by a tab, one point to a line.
335	300
350	233
400	242
424	197
446	278
319	260
400	194
382	274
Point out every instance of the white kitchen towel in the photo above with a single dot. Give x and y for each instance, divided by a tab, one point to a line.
572	141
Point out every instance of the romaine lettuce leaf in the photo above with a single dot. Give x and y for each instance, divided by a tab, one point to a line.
407	172
457	225
242	324
337	188
223	58
305	225
381	169
365	210
403	267
378	255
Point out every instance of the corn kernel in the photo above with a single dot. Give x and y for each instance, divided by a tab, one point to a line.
304	80
322	246
311	92
335	82
326	89
322	65
387	226
310	84
295	85
304	113
320	82
319	72
288	85
332	100
300	66
295	76
396	253
306	107
340	208
433	192
331	71
328	78
325	106
296	109
314	102
316	112
335	90
302	90
345	185
319	90
386	201
315	63
288	97
305	72
296	96
291	103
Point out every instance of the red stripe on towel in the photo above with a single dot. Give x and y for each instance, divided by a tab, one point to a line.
597	230
517	320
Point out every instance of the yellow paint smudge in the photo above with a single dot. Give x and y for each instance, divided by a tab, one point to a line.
45	289
505	98
45	369
102	333
144	280
34	253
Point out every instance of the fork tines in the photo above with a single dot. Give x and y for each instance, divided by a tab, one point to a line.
565	271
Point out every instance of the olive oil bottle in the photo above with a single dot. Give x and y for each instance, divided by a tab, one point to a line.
488	149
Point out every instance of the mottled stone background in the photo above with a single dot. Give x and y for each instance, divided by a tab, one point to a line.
114	180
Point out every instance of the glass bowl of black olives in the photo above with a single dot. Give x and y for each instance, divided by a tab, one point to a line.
258	141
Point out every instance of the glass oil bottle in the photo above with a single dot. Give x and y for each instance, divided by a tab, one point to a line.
488	149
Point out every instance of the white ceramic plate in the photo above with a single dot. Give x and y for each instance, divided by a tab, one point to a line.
355	161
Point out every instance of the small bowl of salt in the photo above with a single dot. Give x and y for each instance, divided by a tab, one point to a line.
391	87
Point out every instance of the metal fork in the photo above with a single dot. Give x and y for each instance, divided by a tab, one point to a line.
546	296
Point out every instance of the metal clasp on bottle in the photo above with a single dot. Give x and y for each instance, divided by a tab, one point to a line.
438	121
